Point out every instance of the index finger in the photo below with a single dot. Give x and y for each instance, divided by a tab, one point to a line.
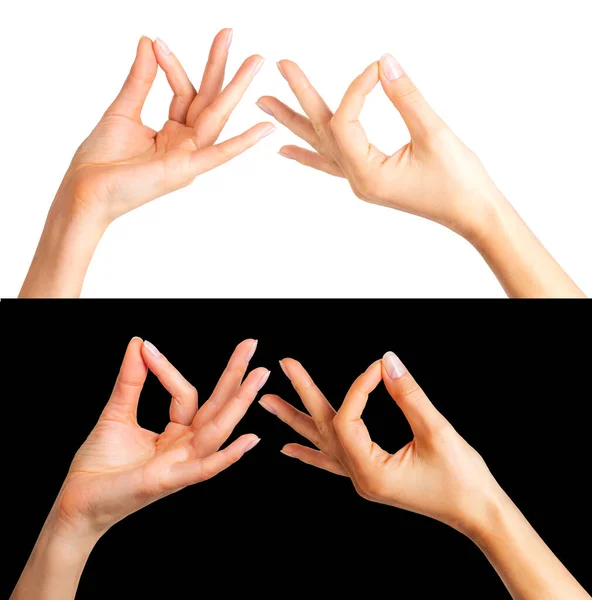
348	130
351	430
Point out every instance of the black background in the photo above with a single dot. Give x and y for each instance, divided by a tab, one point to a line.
512	377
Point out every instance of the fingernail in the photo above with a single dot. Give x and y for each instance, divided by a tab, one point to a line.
163	46
284	370
252	351
263	379
229	39
392	69
267	407
268	131
264	108
259	65
393	366
283	153
252	444
287	453
281	70
152	349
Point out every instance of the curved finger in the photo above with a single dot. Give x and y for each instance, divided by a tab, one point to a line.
300	422
229	381
212	120
309	99
418	115
213	77
308	158
317	405
184	395
348	130
186	473
422	415
349	426
313	457
123	403
213	156
135	90
295	122
216	431
183	89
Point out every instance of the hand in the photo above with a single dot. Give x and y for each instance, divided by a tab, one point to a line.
434	175
122	467
124	164
437	474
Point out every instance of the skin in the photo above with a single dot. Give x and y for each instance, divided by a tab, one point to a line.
436	474
434	175
122	467
124	164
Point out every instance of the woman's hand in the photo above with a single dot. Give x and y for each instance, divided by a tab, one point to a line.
436	474
434	175
124	164
122	467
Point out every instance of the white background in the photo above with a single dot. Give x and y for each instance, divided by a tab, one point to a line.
512	78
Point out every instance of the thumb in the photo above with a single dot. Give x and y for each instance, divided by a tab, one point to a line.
418	115
422	415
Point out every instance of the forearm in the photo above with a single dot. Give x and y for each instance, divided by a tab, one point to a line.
63	255
55	565
524	562
518	259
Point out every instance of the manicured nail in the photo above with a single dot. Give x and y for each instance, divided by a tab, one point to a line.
284	370
268	131
264	108
163	46
259	65
281	70
252	350
252	444
392	69
267	407
152	349
282	152
287	453
393	366
263	379
229	39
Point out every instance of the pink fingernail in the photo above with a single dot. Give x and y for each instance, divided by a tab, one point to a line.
259	65
152	349
252	444
287	453
264	108
392	69
163	46
229	39
267	407
263	379
252	351
284	370
283	153
393	366
268	131
281	70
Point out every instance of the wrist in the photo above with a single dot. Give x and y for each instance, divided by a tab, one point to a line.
64	252
488	221
490	520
